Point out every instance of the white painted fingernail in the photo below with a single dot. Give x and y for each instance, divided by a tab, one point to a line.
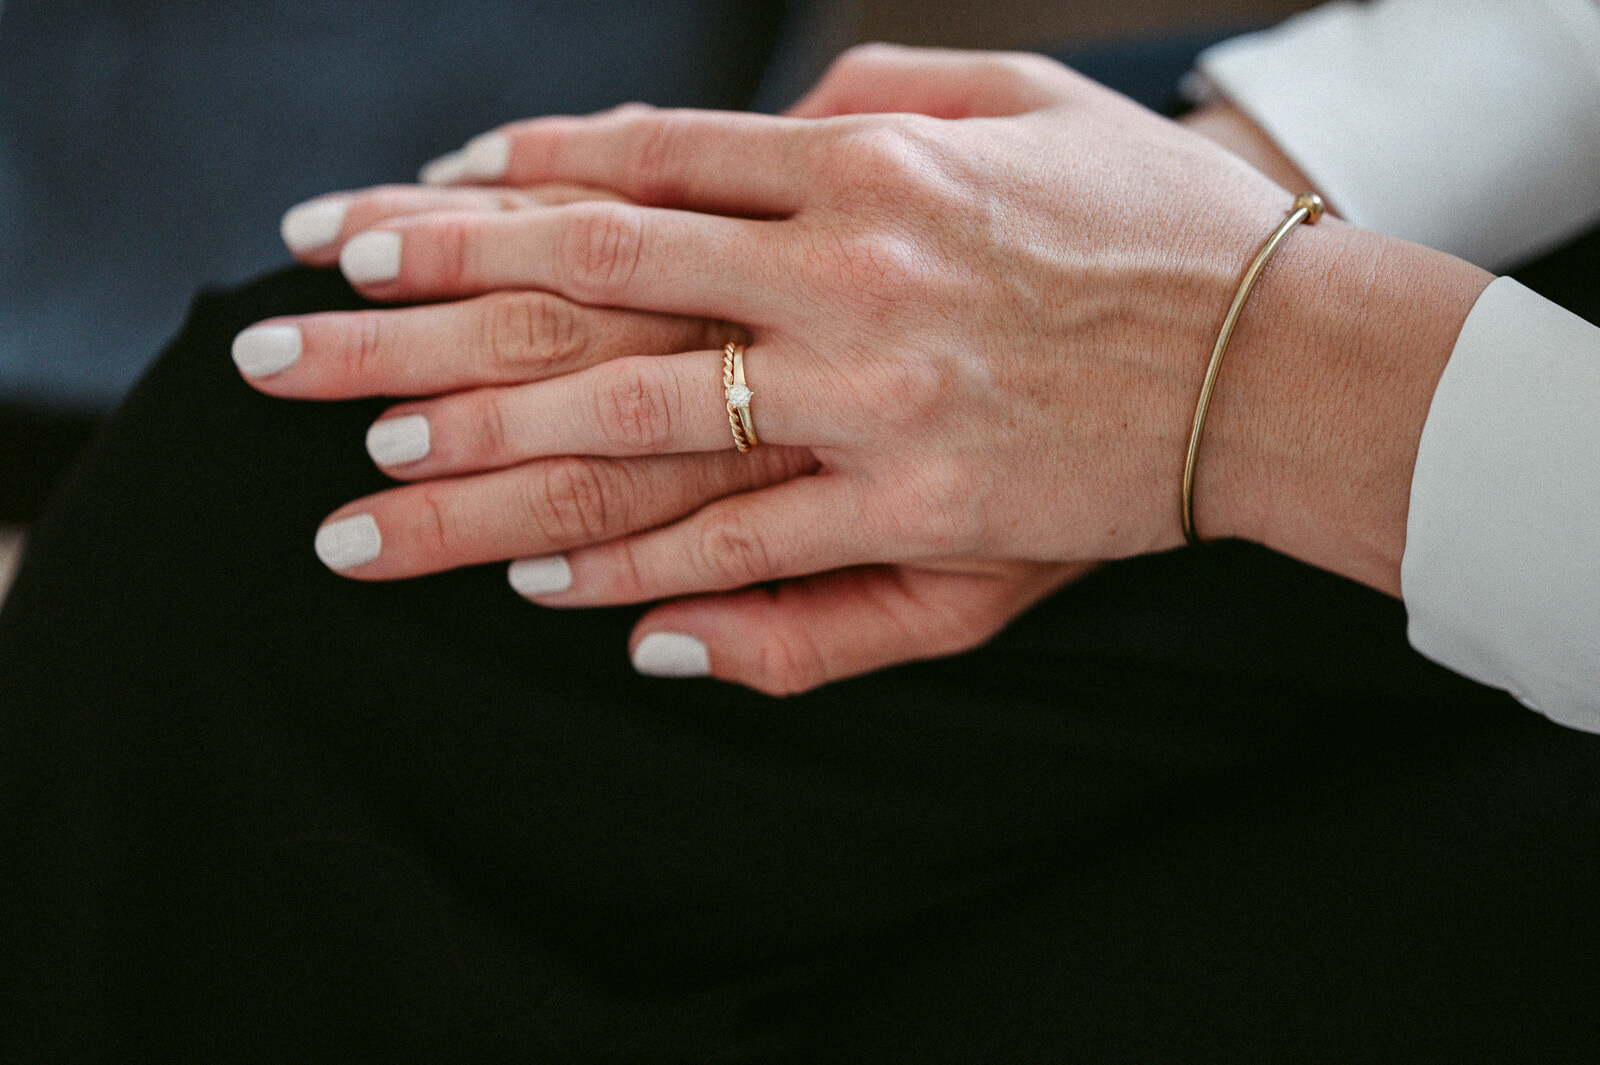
349	542
540	576
397	441
264	350
314	224
672	654
445	170
371	257
486	157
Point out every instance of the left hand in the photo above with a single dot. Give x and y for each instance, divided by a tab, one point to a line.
990	350
792	637
988	331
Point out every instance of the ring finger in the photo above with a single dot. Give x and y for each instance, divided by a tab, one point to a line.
647	405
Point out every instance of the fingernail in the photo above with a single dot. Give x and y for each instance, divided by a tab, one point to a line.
371	257
540	576
349	542
264	350
314	224
672	654
486	157
397	441
445	170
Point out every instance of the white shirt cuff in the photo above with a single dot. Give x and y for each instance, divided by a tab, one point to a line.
1501	574
1470	126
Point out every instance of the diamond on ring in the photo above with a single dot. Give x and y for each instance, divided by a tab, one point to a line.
738	396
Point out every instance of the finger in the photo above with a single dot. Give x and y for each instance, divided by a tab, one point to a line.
807	525
316	230
723	162
645	405
940	82
533	510
501	338
614	255
803	633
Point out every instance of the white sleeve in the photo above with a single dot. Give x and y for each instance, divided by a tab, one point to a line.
1501	575
1470	126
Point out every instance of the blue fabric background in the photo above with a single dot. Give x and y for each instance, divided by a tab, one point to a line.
149	147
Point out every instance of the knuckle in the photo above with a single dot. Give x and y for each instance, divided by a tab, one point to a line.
631	109
656	159
451	258
524	331
602	252
897	164
633	406
732	553
440	527
888	151
788	664
366	346
1032	66
493	431
865	58
877	269
626	578
571	502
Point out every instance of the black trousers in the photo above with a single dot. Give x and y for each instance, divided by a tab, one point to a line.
1206	806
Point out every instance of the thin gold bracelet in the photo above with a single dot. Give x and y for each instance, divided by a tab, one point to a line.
1308	207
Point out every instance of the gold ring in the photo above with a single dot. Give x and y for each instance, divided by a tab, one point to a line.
738	396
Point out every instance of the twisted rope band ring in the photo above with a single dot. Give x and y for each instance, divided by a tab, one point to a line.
738	396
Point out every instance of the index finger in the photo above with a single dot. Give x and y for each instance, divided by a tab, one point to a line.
714	161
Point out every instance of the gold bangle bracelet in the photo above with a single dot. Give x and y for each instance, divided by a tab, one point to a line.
1308	207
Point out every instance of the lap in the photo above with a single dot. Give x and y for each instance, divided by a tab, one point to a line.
430	814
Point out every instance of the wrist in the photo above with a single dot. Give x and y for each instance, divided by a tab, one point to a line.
1313	435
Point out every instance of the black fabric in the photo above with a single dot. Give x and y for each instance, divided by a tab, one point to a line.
1205	806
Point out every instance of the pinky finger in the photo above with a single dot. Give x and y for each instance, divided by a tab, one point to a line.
804	633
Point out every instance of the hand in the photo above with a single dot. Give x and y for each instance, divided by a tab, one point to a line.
987	330
866	506
1236	131
937	82
501	338
990	331
798	635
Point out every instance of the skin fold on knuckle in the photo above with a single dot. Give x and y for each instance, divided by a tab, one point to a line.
442	535
571	501
656	158
490	433
788	663
524	333
603	247
633	406
448	264
731	553
363	343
